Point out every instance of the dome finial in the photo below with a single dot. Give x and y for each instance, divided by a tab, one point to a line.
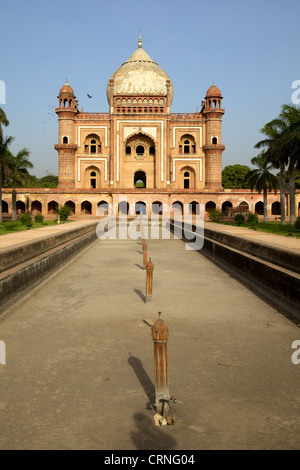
140	44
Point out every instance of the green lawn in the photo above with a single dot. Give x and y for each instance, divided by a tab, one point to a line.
20	227
270	227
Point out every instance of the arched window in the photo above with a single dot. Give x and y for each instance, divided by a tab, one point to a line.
71	204
4	207
243	206
140	207
52	205
102	208
186	180
20	207
65	140
128	150
123	207
275	208
210	205
259	208
151	150
226	206
139	180
214	140
36	207
86	207
157	208
93	179
92	144
177	208
140	150
194	208
187	145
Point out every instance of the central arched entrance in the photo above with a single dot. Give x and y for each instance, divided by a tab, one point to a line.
140	179
140	208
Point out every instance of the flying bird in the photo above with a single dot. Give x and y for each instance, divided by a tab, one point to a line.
89	96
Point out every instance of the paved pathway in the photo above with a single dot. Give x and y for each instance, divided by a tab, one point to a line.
79	365
15	238
289	243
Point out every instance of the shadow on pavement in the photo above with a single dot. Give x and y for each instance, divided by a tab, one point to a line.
144	379
139	266
140	294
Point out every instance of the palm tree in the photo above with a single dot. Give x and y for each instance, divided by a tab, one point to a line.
289	143
283	148
262	179
20	175
6	165
276	158
3	122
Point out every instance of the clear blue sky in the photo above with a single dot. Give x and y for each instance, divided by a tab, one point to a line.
250	49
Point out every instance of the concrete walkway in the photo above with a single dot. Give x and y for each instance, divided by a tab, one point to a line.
15	238
9	240
79	363
289	243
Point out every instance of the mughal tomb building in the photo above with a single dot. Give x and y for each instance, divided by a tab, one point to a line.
139	153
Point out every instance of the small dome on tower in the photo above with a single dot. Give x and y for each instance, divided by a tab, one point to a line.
66	89
213	91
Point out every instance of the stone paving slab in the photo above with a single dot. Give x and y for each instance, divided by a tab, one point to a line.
79	365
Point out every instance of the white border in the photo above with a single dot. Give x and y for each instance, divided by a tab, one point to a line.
87	159
187	160
92	127
187	127
135	123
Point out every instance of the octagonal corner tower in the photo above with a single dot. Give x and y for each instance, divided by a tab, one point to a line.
139	75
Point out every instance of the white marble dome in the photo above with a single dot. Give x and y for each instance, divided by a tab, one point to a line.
140	75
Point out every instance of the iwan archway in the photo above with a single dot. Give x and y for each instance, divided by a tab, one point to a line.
140	179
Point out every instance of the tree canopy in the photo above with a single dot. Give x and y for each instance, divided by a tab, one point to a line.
234	176
281	147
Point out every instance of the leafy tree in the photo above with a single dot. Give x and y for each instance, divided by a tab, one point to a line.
233	176
3	122
48	181
283	149
13	169
297	180
6	165
262	179
278	160
63	211
20	176
3	157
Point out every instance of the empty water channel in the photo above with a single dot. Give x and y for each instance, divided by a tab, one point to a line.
79	369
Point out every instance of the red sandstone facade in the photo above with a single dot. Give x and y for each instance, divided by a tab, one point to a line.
139	153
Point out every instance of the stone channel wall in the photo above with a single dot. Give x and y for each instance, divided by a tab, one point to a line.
24	266
271	272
